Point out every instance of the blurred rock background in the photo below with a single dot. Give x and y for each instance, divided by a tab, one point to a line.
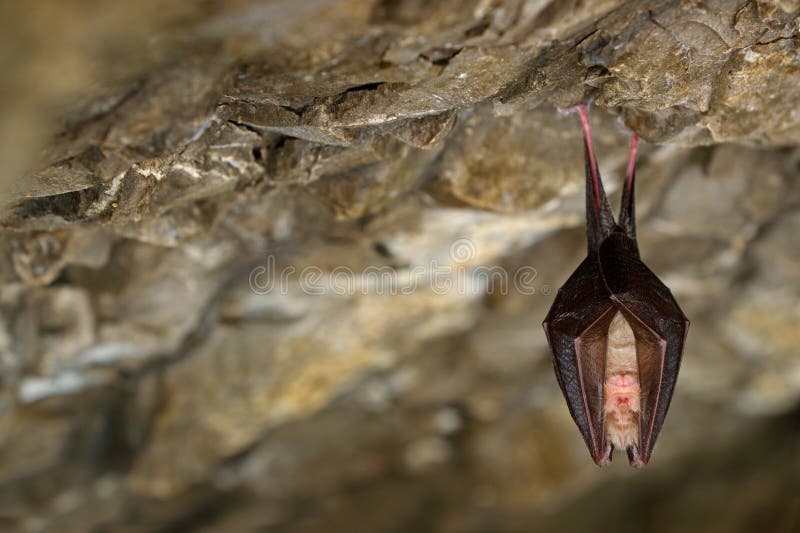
173	172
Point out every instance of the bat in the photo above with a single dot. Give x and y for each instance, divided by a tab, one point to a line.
615	330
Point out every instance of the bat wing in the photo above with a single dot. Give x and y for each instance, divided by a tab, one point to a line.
615	279
576	328
659	327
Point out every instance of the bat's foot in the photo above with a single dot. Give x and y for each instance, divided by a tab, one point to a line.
622	127
581	108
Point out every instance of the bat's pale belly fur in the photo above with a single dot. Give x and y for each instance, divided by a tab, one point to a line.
621	391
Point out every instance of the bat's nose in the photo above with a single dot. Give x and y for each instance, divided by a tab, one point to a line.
624	404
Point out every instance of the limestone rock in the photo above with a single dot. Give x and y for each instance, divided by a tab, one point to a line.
281	266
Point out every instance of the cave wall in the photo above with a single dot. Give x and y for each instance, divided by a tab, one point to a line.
195	198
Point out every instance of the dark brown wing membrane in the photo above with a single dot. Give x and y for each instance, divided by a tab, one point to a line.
576	329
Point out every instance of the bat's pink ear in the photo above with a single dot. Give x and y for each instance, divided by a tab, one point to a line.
635	459
604	458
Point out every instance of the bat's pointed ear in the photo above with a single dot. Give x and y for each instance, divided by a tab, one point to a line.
635	458
627	218
604	458
599	219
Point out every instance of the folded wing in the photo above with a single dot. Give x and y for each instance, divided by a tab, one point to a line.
576	329
659	327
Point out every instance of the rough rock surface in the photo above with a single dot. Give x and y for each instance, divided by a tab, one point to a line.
218	307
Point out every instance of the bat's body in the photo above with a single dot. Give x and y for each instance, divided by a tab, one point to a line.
615	330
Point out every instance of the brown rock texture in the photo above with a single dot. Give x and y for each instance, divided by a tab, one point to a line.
281	266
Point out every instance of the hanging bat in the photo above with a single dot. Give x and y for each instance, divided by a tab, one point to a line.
615	330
